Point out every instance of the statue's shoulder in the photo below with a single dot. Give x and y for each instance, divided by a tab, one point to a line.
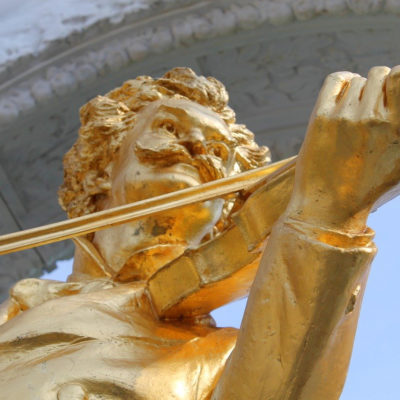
114	342
30	293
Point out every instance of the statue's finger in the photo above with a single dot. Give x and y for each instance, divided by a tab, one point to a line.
393	92
349	104
333	88
374	97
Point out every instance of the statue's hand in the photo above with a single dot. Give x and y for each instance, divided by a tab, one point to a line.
351	154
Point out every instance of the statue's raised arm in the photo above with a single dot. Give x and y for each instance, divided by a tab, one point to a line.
296	338
133	319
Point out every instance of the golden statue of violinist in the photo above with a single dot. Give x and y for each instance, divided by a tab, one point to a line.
132	322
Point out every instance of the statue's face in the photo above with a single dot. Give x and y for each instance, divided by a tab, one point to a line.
175	144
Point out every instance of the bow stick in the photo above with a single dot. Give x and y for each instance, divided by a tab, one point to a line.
83	225
75	227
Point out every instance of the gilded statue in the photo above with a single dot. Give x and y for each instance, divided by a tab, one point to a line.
132	321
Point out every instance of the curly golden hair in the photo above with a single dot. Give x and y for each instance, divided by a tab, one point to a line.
105	121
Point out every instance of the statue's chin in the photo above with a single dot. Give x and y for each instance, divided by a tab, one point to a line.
146	262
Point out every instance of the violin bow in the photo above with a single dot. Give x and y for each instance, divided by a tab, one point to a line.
93	222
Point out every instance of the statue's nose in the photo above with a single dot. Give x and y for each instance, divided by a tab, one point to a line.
196	135
195	142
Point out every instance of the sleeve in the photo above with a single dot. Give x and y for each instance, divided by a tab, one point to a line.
297	333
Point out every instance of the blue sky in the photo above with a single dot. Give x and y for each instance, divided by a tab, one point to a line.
375	366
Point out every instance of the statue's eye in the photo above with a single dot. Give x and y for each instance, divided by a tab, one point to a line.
169	127
219	150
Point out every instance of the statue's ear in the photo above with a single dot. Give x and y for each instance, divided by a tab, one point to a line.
101	200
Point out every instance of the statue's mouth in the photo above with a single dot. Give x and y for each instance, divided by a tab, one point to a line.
184	172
